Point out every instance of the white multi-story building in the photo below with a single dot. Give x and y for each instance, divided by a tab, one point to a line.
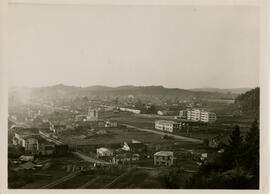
168	126
208	117
201	115
196	115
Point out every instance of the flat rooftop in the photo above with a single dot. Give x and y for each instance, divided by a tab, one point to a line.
165	122
164	153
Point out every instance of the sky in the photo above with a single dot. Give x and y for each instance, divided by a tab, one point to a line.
174	46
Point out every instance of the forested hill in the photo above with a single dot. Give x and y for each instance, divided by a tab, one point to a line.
250	101
155	93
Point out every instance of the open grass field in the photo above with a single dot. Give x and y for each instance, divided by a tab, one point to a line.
117	136
224	124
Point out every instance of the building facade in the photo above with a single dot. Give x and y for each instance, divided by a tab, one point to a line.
208	117
92	114
163	158
201	115
183	114
35	141
167	126
30	144
111	124
101	152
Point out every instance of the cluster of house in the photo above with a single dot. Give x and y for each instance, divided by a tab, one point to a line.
133	152
37	142
198	115
93	116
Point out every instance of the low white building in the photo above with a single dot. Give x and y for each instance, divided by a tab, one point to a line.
165	125
135	111
101	152
163	158
126	147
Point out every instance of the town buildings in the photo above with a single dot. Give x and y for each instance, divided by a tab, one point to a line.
167	126
38	142
57	129
163	158
22	137
125	158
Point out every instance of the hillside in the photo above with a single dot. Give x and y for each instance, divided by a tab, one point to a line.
219	90
250	101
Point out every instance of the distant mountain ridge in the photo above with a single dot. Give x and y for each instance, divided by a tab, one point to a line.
158	92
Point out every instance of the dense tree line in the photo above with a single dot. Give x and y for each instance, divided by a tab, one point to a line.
236	168
250	101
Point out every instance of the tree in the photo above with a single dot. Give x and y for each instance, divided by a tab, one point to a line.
251	153
231	156
235	138
236	168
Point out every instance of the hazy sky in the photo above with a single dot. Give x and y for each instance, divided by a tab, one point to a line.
173	46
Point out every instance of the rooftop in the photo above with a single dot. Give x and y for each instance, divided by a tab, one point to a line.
165	122
27	131
35	136
164	153
27	165
41	140
102	149
45	130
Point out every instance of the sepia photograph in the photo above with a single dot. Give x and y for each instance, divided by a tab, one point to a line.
133	96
